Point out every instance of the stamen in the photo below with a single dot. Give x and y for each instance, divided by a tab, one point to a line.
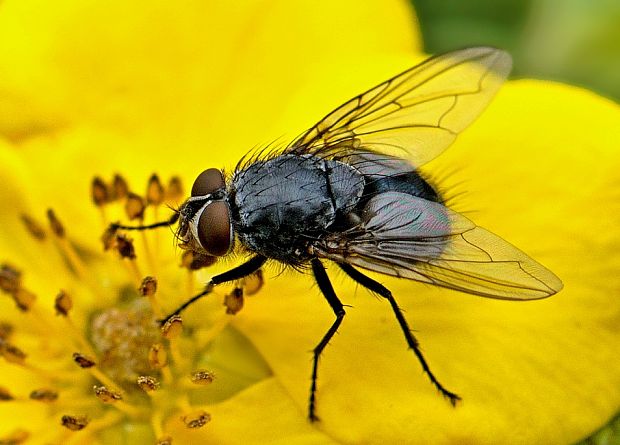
74	423
157	356
120	189
12	353
173	327
96	373
66	247
63	303
5	395
148	288
44	395
157	424
174	192
167	440
196	419
148	384
155	195
194	260
11	283
158	359
106	395
57	228
109	237
100	195
83	361
154	191
171	330
134	206
253	283
24	299
234	301
10	278
33	227
6	330
124	246
202	377
99	192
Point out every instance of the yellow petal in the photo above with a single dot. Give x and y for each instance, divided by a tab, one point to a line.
155	65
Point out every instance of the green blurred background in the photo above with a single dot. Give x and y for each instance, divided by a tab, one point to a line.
573	41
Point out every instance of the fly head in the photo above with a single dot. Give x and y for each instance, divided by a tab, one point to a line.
204	219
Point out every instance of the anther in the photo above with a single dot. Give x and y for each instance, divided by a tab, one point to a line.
109	237
194	260
253	282
24	299
74	423
63	303
154	191
83	361
6	330
167	440
175	189
99	192
134	207
197	419
5	395
120	189
173	327
11	353
202	377
107	395
44	395
157	356
124	246
55	224
33	227
148	287
148	383
234	301
10	278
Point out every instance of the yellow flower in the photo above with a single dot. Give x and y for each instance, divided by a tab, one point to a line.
91	89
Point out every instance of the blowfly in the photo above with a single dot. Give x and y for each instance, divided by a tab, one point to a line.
348	191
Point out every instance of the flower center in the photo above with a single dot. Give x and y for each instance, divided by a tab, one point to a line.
102	363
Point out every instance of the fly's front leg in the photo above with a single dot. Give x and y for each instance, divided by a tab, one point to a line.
328	291
241	271
383	291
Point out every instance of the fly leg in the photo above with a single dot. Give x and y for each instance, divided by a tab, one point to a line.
328	291
378	288
243	270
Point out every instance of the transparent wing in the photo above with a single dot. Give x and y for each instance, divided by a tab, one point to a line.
409	237
415	115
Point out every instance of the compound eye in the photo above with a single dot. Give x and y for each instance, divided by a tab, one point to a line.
214	230
208	182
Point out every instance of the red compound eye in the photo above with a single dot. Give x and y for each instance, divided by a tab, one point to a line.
214	231
208	182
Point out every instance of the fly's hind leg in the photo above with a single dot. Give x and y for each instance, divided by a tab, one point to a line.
328	291
381	290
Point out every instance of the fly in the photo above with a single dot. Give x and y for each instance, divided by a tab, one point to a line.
348	191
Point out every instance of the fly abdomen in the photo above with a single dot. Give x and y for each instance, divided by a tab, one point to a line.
410	183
